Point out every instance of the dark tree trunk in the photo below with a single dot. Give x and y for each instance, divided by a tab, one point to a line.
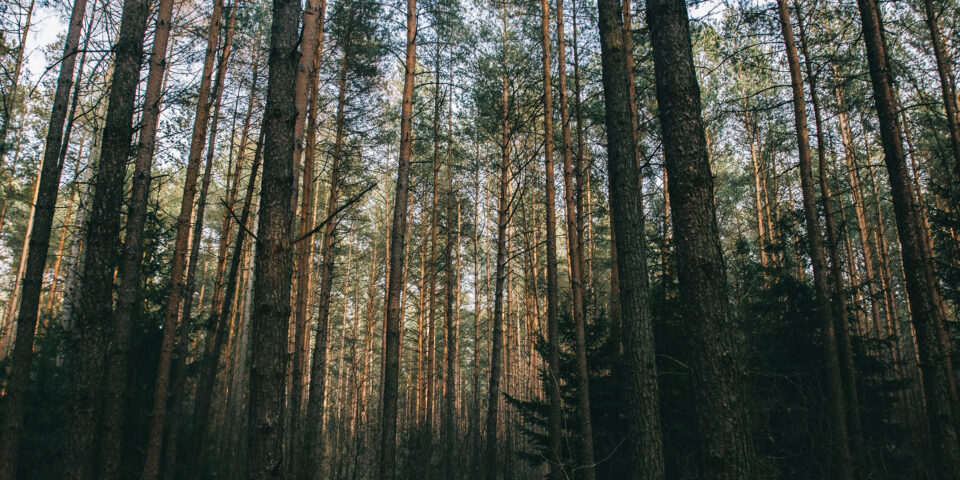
305	247
94	320
46	201
944	458
644	444
947	84
131	256
496	348
725	450
215	344
178	383
575	264
450	326
273	262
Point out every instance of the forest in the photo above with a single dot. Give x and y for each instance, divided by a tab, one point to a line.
479	239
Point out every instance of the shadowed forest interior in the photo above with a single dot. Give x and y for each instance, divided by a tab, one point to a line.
479	239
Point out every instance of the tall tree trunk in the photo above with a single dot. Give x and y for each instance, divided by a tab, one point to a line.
386	466
55	278
14	300
74	265
856	190
432	269
450	322
313	453
838	290
178	383
132	251
725	450
922	291
178	267
496	349
553	289
575	265
10	101
311	44
233	188
828	311
215	344
223	296
307	212
44	209
94	311
274	260
644	444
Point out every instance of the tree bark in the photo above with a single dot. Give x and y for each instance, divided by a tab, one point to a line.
553	289
398	236
725	450
94	311
178	267
496	349
274	260
10	101
44	209
838	291
828	308
947	84
178	382
921	287
313	454
132	250
644	444
307	212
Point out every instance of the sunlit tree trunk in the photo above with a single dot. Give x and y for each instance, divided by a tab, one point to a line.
178	266
386	466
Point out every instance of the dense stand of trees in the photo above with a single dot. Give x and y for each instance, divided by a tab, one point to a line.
336	239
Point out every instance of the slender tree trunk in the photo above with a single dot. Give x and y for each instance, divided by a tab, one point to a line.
178	267
553	289
274	259
36	253
307	212
432	268
178	382
829	311
74	265
386	467
313	453
226	224
215	344
54	280
14	301
644	445
10	101
856	190
496	349
847	368
451	323
576	263
947	83
922	292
